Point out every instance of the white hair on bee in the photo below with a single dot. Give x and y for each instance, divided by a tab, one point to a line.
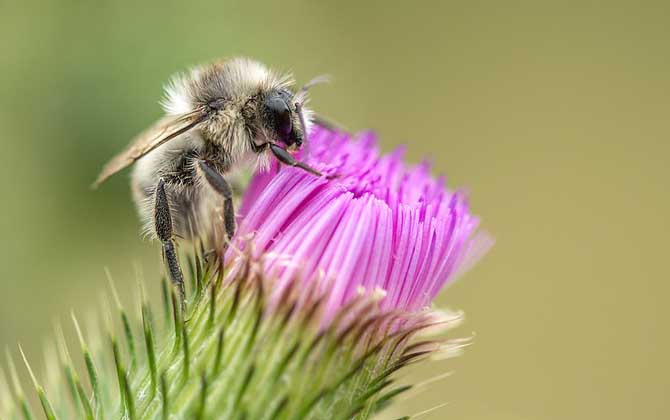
233	78
250	75
176	100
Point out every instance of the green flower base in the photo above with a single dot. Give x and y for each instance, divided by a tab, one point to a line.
228	352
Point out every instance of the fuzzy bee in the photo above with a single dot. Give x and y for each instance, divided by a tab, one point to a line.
219	117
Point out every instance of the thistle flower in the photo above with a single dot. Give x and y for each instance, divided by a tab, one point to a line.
324	295
378	225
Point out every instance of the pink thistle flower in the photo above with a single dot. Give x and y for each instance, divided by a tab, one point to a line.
377	226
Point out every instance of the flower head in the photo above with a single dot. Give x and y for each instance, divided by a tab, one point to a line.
351	261
377	225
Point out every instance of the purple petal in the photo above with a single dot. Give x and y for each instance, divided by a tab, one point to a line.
378	224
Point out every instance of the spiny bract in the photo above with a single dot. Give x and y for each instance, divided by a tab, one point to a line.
230	355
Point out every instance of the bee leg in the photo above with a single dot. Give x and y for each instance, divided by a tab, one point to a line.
285	157
163	226
222	187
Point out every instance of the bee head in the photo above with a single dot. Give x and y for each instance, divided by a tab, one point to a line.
282	118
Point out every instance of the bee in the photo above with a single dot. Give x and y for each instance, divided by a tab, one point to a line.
219	118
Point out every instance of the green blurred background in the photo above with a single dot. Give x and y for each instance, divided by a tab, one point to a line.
553	114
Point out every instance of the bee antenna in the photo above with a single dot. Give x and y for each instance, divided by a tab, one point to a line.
323	78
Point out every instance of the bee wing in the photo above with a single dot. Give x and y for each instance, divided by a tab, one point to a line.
162	131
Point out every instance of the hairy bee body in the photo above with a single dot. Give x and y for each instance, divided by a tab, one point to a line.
234	135
219	117
192	203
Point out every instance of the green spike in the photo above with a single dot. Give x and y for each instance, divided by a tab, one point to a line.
83	398
71	385
187	355
118	364
411	357
203	398
73	377
6	403
27	414
165	294
127	330
18	390
51	367
129	397
235	303
90	367
386	372
283	364
149	338
219	352
314	343
44	401
385	399
164	397
281	406
256	325
245	385
356	367
363	398
149	342
145	307
66	363
354	411
307	408
198	275
212	304
220	271
177	320
191	272
130	339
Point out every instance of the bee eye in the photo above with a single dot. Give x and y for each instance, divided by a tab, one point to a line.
280	114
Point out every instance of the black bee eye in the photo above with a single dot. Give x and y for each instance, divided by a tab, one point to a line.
280	113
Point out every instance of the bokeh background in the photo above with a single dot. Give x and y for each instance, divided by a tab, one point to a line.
554	115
